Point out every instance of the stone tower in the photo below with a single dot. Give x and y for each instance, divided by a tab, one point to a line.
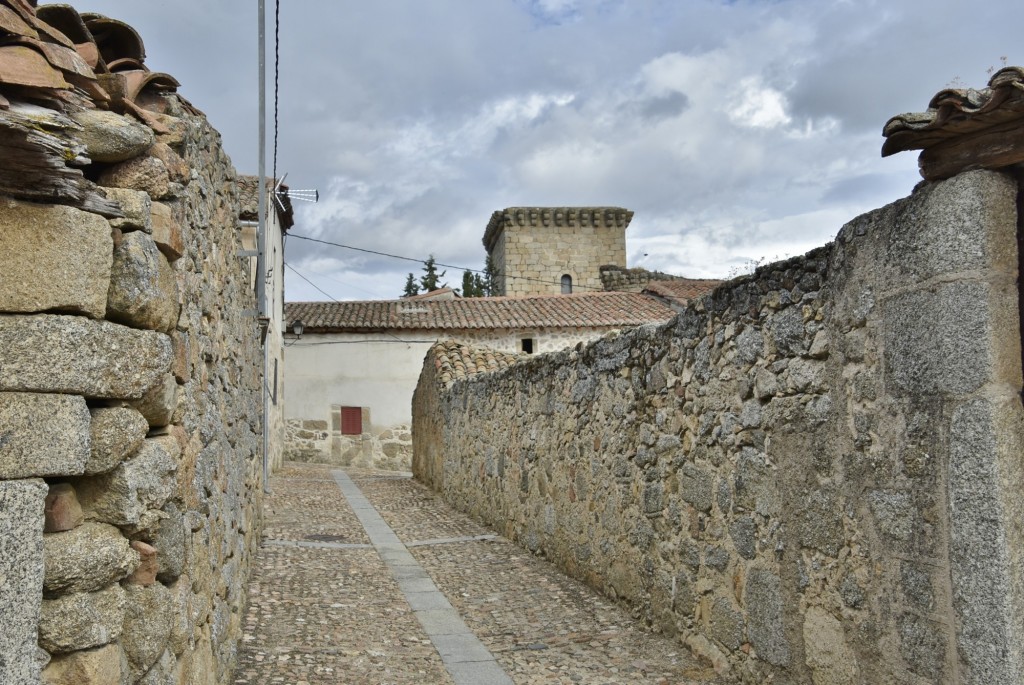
552	250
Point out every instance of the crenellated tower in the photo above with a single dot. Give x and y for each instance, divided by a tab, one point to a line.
552	250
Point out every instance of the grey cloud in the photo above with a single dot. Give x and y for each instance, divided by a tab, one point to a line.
382	104
664	107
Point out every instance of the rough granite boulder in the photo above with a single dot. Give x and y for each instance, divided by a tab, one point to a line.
42	435
53	257
137	207
110	137
132	493
116	433
81	620
167	232
177	169
158	405
86	559
21	577
143	288
103	666
141	173
162	672
78	356
147	626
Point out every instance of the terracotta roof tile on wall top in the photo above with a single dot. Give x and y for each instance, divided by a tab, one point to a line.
599	309
454	360
682	290
955	112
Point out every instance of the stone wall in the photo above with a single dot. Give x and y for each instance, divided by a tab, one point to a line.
630	280
379	376
129	415
312	441
810	475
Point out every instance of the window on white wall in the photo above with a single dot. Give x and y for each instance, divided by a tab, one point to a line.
351	420
527	345
566	284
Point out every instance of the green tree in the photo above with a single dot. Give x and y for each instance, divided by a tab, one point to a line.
411	287
469	284
431	280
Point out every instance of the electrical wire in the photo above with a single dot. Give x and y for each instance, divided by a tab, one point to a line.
446	266
334	299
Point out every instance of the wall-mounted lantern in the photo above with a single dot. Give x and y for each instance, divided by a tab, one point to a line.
297	328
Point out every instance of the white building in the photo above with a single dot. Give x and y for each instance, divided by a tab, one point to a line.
352	372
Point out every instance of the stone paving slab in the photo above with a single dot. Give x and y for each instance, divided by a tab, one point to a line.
327	615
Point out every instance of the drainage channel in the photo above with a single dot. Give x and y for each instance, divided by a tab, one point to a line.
467	660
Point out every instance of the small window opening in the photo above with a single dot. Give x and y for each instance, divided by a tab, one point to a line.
528	345
566	284
351	420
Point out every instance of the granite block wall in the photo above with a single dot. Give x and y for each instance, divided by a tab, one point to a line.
811	475
130	377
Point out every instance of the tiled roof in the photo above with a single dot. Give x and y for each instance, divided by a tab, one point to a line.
454	360
682	290
956	112
599	309
249	201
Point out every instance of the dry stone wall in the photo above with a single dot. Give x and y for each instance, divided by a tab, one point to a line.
130	471
810	475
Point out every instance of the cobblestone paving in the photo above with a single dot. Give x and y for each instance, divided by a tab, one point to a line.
307	505
319	616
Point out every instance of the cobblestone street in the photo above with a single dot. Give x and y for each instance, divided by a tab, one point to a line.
422	594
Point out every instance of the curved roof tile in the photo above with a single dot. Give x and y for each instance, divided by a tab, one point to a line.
599	309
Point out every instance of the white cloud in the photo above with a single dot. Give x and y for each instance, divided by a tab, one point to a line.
734	130
758	106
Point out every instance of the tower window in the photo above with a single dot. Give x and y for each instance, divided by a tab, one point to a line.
566	284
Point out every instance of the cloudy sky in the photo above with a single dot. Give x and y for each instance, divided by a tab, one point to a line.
737	131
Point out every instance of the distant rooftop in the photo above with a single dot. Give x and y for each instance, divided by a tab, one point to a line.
597	309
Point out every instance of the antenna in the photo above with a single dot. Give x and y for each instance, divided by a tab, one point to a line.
308	195
311	195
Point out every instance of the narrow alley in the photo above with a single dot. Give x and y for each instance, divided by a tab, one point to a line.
368	577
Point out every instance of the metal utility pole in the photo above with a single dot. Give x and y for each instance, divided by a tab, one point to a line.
261	239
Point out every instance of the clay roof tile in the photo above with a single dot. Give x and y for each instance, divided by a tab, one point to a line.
587	310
